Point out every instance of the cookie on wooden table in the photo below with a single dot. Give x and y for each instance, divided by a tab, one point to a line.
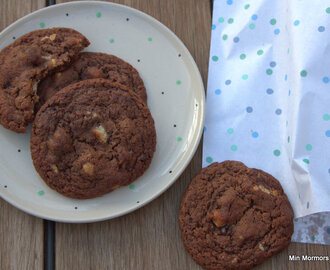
91	65
24	63
234	217
91	138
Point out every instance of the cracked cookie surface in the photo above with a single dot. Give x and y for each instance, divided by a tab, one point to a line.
27	61
91	65
234	217
92	137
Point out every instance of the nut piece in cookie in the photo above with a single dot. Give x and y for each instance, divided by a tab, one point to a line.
24	63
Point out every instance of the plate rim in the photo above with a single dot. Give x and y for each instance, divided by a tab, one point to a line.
194	143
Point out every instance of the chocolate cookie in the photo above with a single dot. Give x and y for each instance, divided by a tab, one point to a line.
91	138
234	217
92	65
24	63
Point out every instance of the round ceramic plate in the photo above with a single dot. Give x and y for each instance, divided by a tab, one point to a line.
175	98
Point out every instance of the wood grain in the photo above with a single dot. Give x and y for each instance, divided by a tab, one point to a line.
21	239
21	235
149	239
11	10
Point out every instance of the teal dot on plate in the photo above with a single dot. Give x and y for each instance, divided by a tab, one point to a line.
209	160
149	38
309	147
272	21
179	139
41	192
217	91
242	56
252	26
215	58
42	25
277	152
327	10
245	77
230	20
178	82
230	130
132	187
255	134
327	133
288	139
98	14
246	6
277	31
306	160
225	37
313	238
111	40
233	147
325	79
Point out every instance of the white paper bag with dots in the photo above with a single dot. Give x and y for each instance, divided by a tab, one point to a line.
268	100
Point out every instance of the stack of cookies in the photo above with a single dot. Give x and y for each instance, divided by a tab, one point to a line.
92	130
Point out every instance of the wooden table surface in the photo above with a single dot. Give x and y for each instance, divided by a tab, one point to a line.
149	238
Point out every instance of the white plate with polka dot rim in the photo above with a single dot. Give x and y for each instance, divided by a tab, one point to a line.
175	98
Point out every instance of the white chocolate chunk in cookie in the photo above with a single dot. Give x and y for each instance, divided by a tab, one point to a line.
88	168
100	133
54	167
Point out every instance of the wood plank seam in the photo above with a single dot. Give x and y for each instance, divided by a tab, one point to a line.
49	226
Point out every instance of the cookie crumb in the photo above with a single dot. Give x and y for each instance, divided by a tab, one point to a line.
115	187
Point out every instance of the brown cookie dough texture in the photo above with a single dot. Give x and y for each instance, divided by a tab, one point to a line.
92	65
24	63
91	138
234	217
